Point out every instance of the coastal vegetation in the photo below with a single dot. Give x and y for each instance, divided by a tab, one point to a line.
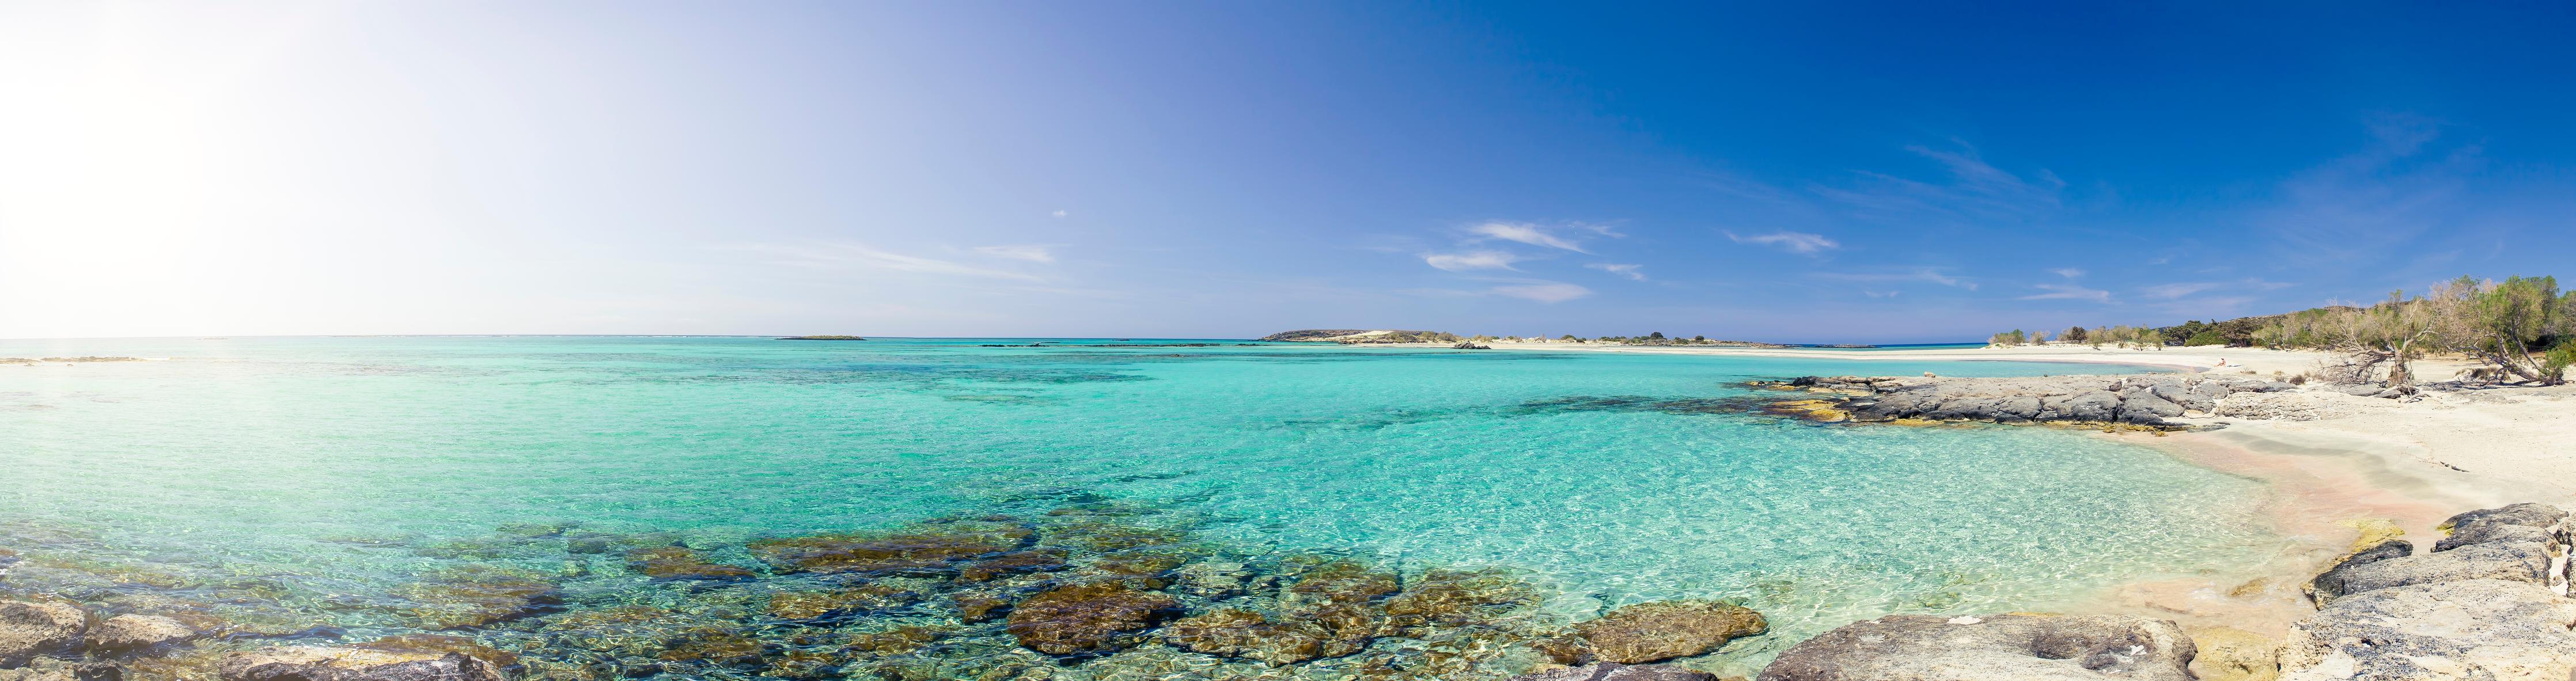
2522	329
827	338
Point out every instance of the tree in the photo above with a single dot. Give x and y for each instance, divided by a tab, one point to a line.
2505	320
1659	335
2074	334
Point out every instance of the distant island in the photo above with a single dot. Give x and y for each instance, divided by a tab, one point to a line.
1397	337
822	338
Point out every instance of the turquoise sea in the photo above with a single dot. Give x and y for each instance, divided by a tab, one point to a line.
307	482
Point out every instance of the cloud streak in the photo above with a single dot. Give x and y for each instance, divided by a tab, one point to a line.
1028	252
1635	272
1800	243
1543	291
1472	260
2069	292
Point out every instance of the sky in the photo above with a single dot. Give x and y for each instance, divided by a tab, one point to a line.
1794	172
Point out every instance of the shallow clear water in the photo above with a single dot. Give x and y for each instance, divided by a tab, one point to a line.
302	459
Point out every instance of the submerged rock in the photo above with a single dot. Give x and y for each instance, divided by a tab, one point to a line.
1996	648
29	629
674	562
805	605
2472	629
475	597
350	664
1247	635
934	548
1663	630
1612	671
125	634
1088	619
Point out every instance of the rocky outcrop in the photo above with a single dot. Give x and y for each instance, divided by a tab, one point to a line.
2489	602
1613	671
130	634
1663	630
2143	400
2473	629
1996	648
349	664
29	629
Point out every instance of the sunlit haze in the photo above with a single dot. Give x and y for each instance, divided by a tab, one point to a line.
1231	169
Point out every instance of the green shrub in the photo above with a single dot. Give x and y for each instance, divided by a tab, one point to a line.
2206	337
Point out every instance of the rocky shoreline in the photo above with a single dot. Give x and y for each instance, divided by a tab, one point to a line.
2488	602
2147	401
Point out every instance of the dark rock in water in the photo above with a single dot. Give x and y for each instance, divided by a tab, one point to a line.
1451	598
1247	635
1996	648
2329	585
29	629
1612	671
475	597
2519	522
933	548
2474	629
441	644
1013	563
348	664
674	562
124	634
806	605
1663	630
976	605
1088	619
1341	597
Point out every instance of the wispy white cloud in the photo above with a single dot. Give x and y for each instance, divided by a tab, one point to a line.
2177	290
1928	274
1543	291
1636	272
1879	294
1533	234
1795	242
1472	260
855	256
2069	292
1061	213
1972	188
1028	252
2067	272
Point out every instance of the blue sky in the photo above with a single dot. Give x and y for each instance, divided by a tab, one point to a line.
1807	172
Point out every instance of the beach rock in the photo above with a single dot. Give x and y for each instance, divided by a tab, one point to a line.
2329	584
1088	619
29	629
350	664
2229	654
2473	629
2092	406
1613	671
1663	630
680	563
2508	561
2517	523
125	634
1992	648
